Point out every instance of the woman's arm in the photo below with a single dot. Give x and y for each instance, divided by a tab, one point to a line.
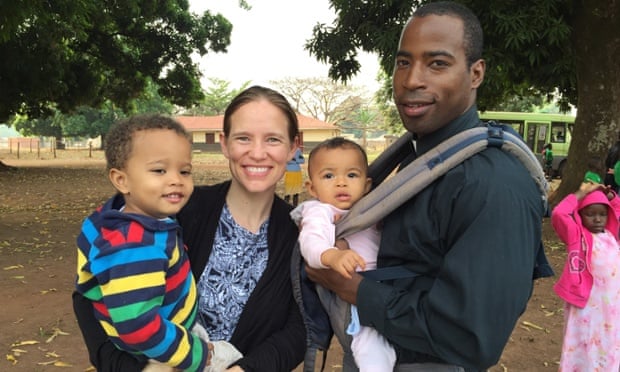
101	351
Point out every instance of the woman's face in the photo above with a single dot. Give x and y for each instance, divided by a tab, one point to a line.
258	146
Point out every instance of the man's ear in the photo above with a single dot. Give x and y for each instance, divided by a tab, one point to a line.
477	70
119	180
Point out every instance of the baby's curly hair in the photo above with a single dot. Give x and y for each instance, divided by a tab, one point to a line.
119	140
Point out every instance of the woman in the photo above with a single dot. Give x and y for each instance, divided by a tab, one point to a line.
239	238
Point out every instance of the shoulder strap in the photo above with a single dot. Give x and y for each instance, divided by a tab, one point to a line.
394	191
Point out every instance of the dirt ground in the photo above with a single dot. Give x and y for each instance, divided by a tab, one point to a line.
42	204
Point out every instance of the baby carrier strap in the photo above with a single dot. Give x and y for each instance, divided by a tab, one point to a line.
316	320
425	169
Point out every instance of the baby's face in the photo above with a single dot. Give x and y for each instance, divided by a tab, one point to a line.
338	177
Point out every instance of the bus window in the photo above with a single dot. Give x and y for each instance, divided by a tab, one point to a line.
558	131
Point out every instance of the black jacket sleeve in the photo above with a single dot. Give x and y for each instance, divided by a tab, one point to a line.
103	354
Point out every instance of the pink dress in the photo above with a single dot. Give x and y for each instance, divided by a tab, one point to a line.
592	334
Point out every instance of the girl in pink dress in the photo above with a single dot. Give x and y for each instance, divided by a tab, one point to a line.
587	222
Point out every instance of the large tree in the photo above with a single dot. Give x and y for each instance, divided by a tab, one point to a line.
218	95
320	98
62	54
569	48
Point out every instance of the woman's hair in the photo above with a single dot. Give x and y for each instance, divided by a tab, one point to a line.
119	140
257	93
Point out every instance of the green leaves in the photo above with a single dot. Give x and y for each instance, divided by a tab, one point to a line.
65	54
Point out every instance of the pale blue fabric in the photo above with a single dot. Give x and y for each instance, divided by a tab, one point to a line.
354	324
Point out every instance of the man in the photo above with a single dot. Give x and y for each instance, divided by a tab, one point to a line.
472	236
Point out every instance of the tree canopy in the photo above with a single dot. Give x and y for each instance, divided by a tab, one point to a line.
218	95
567	49
65	54
86	121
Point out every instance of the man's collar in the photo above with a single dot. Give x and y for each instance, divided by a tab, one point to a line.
469	119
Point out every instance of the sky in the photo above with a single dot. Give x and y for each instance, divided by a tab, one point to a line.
267	43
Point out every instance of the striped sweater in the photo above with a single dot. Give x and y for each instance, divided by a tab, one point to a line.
135	270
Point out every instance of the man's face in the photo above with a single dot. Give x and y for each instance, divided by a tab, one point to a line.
432	82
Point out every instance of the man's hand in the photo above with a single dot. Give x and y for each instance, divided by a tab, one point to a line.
330	279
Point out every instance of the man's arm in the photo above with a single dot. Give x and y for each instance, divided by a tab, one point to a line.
330	279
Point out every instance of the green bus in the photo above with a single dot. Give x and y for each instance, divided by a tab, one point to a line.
538	129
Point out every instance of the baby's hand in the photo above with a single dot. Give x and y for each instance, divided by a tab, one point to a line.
343	261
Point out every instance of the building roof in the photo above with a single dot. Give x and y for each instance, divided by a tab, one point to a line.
215	123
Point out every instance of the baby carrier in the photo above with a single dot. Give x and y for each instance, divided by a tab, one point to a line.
389	193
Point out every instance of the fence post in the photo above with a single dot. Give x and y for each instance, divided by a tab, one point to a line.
18	143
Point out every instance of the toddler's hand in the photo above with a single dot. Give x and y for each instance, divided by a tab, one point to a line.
155	366
223	354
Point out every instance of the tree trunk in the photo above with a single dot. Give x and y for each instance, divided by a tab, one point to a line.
596	37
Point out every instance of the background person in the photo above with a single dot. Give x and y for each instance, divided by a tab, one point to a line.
338	178
613	156
474	258
548	160
293	178
240	238
589	283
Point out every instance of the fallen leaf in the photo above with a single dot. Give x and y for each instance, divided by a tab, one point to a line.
56	332
22	343
62	364
11	359
530	324
47	363
13	267
535	326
